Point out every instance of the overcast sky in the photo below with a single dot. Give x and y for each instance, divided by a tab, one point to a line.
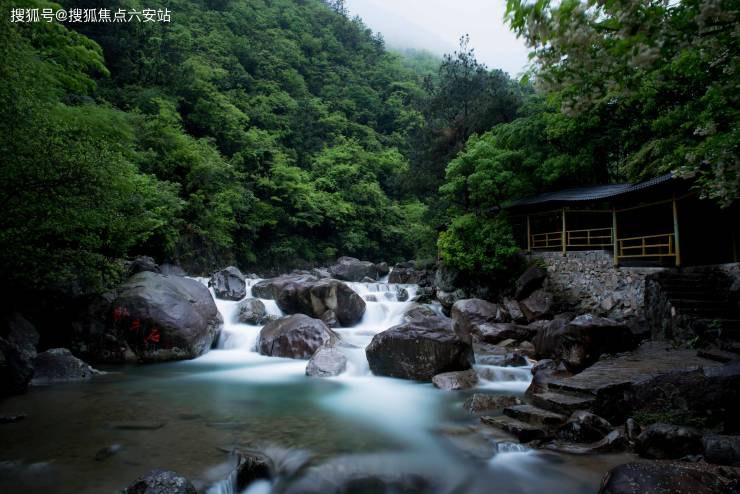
436	25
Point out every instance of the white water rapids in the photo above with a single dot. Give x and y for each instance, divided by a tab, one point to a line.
401	408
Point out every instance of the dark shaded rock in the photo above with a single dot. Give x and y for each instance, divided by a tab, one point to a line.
229	284
513	311
406	273
418	311
18	340
160	482
172	270
314	298
252	311
584	427
297	336
587	337
58	365
527	349
667	441
383	269
141	264
321	273
469	314
137	426
652	477
456	380
326	362
482	403
335	296
613	441
538	305
425	295
495	333
722	450
419	349
165	317
548	338
251	466
351	269
544	372
448	299
402	294
531	280
92	338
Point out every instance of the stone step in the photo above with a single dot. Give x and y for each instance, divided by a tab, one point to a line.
561	402
718	355
522	431
535	416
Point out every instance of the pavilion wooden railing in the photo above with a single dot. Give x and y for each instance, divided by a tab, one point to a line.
549	240
662	245
590	237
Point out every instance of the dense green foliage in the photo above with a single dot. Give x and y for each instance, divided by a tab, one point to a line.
627	90
262	132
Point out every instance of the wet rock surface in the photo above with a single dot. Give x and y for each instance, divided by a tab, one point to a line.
165	317
419	349
326	362
482	403
18	340
229	284
457	380
351	269
58	365
297	336
252	311
538	305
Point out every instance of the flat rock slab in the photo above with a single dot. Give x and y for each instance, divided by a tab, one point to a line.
649	360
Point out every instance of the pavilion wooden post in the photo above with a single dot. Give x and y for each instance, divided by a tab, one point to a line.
675	232
614	236
529	236
562	236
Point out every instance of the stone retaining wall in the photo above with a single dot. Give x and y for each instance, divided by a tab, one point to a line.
589	282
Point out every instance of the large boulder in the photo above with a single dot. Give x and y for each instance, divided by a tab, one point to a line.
315	298
297	336
160	482
165	317
419	349
407	273
469	314
229	284
18	340
351	269
548	338
271	288
58	365
587	337
418	311
531	280
667	441
326	362
456	380
252	311
332	295
653	477
538	305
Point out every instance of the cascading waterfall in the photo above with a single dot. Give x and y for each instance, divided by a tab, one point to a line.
400	407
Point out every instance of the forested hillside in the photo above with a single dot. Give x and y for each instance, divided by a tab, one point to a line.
241	131
282	133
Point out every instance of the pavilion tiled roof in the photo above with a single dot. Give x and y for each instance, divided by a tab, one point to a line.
590	193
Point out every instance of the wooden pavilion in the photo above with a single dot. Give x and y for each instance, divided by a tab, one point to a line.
661	221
